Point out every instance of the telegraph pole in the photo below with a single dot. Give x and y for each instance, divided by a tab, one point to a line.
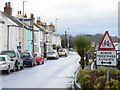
65	40
68	39
32	24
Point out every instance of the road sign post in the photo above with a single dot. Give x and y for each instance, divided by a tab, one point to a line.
107	72
106	54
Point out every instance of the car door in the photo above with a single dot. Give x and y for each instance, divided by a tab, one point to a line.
33	58
10	62
19	58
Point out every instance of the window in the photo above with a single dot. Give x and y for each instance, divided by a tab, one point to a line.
2	58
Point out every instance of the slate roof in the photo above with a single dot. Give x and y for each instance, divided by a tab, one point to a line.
1	21
16	20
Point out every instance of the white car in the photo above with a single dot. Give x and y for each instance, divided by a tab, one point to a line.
52	54
63	52
6	64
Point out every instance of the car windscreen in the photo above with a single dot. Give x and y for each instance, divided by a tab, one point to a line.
2	58
11	54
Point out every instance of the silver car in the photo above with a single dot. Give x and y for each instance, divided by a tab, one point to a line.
6	64
52	54
63	52
15	55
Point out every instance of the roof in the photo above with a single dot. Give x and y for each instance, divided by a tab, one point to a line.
16	20
42	29
1	21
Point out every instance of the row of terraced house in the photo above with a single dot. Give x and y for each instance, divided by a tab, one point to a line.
17	33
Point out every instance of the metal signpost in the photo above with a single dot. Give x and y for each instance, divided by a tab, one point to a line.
106	54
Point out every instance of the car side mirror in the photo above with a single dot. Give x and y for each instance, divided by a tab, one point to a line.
11	59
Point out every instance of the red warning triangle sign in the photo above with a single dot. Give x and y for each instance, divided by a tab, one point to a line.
106	42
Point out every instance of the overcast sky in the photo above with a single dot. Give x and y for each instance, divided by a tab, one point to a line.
80	16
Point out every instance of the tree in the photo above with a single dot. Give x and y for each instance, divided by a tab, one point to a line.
83	44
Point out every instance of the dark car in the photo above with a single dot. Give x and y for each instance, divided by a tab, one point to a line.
28	58
15	55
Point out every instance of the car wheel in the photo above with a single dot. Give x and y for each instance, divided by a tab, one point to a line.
18	67
43	62
8	70
35	63
65	55
22	67
32	64
14	69
38	63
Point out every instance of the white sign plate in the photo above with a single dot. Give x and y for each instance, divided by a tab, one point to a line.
106	58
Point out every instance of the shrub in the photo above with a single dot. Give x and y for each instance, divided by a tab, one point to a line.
112	85
97	79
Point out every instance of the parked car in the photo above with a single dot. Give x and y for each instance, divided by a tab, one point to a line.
6	64
15	55
39	58
63	52
28	58
52	54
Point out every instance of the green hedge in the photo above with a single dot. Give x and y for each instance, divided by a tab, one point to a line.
96	79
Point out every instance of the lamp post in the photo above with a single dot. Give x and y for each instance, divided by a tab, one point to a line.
68	39
8	34
23	25
56	29
56	25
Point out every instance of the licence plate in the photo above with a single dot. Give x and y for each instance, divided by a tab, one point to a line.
24	58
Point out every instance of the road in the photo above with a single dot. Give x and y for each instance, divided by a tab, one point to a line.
53	74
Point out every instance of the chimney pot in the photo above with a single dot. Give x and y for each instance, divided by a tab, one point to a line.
5	4
8	4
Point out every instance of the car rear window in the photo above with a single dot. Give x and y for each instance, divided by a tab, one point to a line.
51	52
2	58
61	50
25	54
11	54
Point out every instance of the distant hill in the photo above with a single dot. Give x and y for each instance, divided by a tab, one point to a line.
94	38
98	37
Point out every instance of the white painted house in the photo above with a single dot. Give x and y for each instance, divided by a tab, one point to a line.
38	39
12	29
12	32
2	29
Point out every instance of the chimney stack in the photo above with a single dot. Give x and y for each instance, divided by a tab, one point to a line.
52	27
38	21
7	8
19	14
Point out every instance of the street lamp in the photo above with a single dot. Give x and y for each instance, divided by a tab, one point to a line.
23	24
56	29
8	34
56	25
